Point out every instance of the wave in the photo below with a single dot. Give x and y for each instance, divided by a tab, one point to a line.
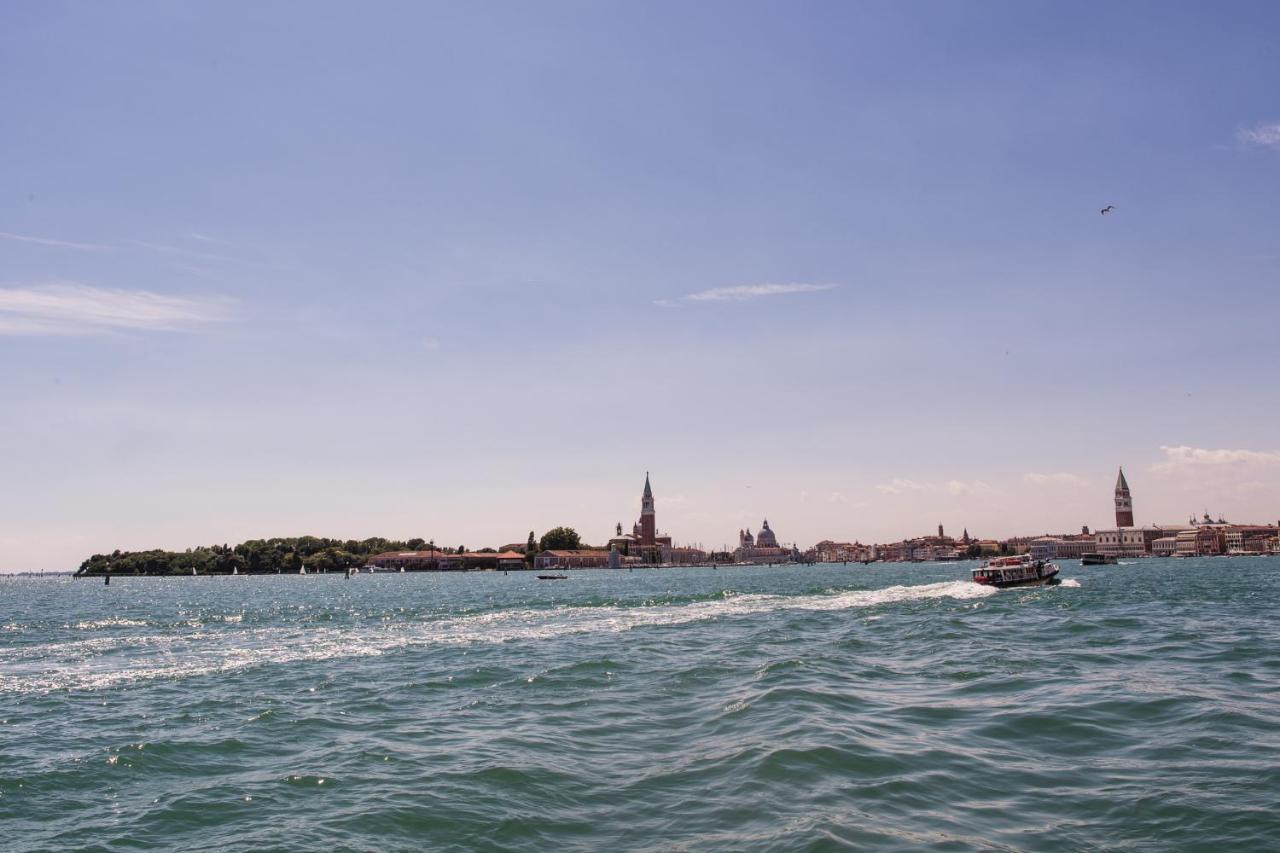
114	622
77	666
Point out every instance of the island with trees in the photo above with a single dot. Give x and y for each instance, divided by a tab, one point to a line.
294	555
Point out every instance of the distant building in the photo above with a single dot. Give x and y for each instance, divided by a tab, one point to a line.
1206	540
1044	548
572	559
439	561
687	556
1126	540
1133	541
1124	502
643	543
761	548
827	551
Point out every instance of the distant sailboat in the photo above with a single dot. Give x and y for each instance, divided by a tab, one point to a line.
193	571
234	570
302	570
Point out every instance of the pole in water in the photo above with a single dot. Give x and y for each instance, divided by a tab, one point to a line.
106	580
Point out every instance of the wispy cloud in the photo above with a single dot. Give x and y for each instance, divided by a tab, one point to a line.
179	251
1183	457
59	244
205	238
1265	135
1056	479
184	252
742	293
68	308
900	486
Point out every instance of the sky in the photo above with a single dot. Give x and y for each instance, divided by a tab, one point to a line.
464	270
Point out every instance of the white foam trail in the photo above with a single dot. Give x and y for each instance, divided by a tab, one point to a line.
115	622
76	666
1072	583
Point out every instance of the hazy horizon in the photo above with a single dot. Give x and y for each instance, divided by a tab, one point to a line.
460	272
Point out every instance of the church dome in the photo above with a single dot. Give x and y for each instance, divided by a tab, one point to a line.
766	538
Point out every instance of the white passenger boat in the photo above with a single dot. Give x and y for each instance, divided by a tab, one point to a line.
1003	572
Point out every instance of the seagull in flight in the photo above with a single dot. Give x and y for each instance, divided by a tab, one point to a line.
1107	209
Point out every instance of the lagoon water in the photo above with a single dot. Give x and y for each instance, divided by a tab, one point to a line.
884	707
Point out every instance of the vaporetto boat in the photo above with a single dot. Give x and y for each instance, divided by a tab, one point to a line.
1004	572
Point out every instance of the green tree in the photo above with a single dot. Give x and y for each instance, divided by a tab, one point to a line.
531	546
560	539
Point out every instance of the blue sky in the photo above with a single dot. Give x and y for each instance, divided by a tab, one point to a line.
464	270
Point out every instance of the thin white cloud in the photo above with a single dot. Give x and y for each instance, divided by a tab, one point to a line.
68	308
742	293
1056	479
58	244
184	252
1183	457
205	238
837	498
1265	135
900	486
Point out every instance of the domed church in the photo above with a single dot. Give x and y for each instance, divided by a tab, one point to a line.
761	548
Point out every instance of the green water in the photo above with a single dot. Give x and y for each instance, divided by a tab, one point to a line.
1134	707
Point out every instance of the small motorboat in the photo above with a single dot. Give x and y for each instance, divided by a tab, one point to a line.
1098	559
553	577
1004	572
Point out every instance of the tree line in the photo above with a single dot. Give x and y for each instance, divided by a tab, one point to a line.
288	555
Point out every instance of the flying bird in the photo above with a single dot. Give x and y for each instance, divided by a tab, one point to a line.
1107	209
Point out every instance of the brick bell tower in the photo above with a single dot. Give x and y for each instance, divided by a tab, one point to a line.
1124	502
648	520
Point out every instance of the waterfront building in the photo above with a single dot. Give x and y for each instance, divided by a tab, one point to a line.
1044	548
923	549
580	558
438	561
1202	540
827	551
761	548
644	543
687	556
1133	541
1126	540
1165	546
988	547
1207	538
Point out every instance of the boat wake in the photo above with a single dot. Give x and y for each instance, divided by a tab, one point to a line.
110	661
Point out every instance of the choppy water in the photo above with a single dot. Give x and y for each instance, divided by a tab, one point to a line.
1135	706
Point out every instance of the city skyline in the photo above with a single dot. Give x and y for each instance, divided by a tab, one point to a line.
680	509
430	270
